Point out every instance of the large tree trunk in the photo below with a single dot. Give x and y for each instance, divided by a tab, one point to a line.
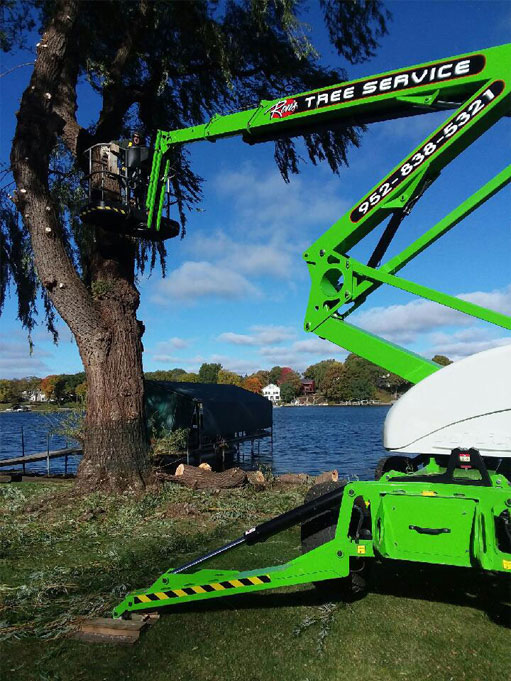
102	319
115	449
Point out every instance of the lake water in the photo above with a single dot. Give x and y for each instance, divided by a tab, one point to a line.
306	440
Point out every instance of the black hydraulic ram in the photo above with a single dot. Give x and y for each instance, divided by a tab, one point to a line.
274	526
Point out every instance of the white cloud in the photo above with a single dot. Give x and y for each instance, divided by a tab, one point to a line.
404	323
261	335
415	128
302	353
166	359
268	204
465	342
173	343
194	280
17	362
236	338
274	258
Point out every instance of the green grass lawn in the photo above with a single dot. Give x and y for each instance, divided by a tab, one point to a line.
62	557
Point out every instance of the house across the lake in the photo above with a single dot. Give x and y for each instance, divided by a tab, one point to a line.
271	392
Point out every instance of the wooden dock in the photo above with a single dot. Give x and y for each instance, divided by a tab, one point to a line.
18	475
40	456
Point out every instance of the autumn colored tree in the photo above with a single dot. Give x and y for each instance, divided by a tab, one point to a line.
263	376
53	387
293	379
253	383
317	372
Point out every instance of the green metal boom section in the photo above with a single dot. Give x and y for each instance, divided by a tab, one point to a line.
446	516
477	85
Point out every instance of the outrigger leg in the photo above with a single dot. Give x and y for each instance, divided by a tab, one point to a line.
175	586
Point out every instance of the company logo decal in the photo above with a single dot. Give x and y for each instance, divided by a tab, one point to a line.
284	108
393	82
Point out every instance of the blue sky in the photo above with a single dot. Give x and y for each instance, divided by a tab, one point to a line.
237	287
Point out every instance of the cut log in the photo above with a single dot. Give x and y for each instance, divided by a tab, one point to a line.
199	478
294	478
205	466
329	476
256	478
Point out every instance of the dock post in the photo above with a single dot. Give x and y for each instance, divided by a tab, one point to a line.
65	466
48	455
23	447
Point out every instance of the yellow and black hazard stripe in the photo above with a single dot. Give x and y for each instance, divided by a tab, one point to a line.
88	211
204	588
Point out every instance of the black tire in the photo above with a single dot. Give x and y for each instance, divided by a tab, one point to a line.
321	529
402	464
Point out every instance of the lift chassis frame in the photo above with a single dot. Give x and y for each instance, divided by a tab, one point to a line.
423	517
455	513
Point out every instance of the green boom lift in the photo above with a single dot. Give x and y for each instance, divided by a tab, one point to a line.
450	503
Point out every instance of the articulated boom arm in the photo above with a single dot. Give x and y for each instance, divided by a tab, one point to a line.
476	85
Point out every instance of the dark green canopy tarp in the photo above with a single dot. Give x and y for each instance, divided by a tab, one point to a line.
226	409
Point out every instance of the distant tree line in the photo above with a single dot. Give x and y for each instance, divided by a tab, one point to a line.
352	380
55	388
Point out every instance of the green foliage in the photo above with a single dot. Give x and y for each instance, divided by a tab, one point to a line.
360	378
71	426
229	378
332	382
208	372
81	391
189	378
17	20
360	23
317	372
161	375
10	391
100	289
182	62
263	376
172	442
292	386
288	392
274	375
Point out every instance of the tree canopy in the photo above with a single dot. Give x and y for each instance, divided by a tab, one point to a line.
154	65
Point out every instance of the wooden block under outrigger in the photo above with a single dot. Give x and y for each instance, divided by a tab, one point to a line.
107	630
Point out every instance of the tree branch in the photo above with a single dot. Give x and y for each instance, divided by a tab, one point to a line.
33	142
14	68
65	105
116	98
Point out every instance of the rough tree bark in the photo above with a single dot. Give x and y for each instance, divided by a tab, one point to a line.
103	319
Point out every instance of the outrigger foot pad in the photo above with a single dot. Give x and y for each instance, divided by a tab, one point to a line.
106	630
